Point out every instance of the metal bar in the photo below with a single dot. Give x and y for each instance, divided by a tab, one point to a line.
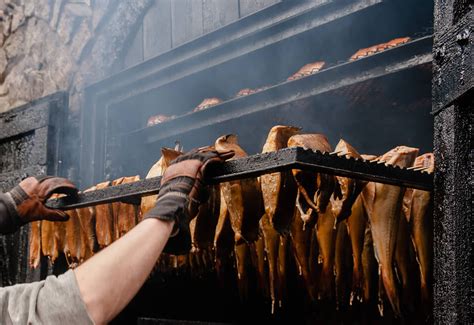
253	166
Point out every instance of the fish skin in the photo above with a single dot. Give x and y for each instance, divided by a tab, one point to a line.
342	264
404	254
356	224
350	188
384	204
279	189
75	247
421	228
223	243
104	221
167	156
87	221
369	268
272	244
422	237
313	259
35	244
242	197
322	185
282	270
48	243
301	233
261	266
125	215
242	261
206	220
326	234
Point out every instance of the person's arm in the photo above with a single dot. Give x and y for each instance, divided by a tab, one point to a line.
25	202
111	278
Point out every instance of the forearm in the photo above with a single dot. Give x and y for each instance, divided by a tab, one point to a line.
111	278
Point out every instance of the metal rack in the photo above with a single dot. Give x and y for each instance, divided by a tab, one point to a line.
256	165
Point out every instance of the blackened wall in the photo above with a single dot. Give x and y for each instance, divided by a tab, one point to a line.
453	143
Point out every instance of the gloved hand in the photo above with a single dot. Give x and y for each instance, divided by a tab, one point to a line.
25	202
183	190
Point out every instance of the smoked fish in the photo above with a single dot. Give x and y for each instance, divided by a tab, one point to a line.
301	234
243	198
369	268
315	188
125	215
167	155
421	225
75	249
35	244
279	189
384	205
87	221
104	221
326	234
350	188
356	224
272	248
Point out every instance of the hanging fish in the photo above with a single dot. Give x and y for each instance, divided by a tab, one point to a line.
301	234
35	244
326	234
104	221
421	225
383	204
75	247
369	268
125	215
223	243
87	221
315	188
261	266
272	249
356	224
406	265
342	266
167	156
279	189
350	188
242	197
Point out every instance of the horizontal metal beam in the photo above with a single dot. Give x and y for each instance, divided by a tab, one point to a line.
256	165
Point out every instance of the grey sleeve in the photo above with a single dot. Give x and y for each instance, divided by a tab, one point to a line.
9	220
56	300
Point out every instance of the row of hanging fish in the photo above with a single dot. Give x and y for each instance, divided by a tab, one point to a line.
351	241
306	70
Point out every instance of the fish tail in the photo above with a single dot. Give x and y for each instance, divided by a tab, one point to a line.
391	291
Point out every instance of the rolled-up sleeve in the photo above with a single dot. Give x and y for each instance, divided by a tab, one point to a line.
56	300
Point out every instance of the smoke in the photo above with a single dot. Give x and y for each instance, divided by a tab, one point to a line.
374	115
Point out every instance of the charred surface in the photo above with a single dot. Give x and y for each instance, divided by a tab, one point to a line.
30	140
453	100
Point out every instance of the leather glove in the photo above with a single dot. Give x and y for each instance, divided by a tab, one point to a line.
25	202
182	191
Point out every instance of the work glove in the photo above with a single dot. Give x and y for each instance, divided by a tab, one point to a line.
25	202
183	190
